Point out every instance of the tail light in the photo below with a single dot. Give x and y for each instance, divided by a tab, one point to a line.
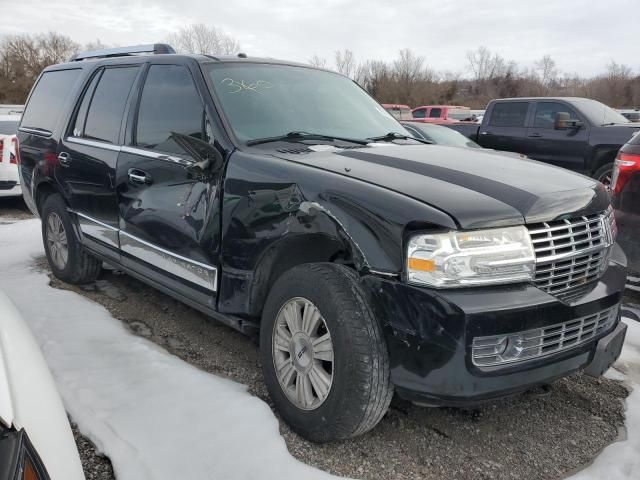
15	155
623	168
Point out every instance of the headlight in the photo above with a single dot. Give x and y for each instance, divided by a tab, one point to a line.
475	257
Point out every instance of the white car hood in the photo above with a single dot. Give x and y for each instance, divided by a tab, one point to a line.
29	398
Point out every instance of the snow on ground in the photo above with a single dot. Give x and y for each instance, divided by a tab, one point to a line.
154	415
621	460
157	417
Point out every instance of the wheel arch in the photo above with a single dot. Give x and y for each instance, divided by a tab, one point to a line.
602	155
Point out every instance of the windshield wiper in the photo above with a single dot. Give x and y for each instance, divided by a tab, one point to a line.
391	136
298	136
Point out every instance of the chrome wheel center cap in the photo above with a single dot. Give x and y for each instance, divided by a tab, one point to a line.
301	350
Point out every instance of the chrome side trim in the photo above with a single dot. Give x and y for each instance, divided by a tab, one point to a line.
93	143
156	155
196	272
96	229
35	131
191	270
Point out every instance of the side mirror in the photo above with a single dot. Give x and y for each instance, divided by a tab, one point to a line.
563	120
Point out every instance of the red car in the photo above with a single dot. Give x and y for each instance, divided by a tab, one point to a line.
441	114
625	191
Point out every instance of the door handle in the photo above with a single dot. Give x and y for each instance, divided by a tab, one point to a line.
535	135
64	159
139	177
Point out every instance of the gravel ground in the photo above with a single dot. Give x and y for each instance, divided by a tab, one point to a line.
546	433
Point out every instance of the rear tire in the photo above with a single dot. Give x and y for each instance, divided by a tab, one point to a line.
68	260
357	369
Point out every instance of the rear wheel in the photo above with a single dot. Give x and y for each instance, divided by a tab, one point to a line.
68	260
323	356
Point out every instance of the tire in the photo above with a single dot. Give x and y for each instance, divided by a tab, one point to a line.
360	388
603	174
77	266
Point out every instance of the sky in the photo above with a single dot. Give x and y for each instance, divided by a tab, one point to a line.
582	36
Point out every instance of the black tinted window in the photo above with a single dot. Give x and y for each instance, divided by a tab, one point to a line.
418	113
81	115
435	113
509	114
170	108
107	105
48	99
546	114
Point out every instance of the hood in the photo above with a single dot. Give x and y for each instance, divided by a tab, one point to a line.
477	188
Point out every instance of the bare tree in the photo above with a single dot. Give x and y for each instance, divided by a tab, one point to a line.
23	57
345	62
484	64
409	67
318	61
546	70
95	45
200	38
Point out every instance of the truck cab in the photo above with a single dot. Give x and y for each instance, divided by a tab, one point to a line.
578	134
441	114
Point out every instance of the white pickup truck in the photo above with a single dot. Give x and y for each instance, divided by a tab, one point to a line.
9	180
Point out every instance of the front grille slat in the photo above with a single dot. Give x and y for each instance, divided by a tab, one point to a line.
571	253
539	342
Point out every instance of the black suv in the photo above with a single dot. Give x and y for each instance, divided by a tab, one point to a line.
284	201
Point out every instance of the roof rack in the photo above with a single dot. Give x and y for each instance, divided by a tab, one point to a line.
153	48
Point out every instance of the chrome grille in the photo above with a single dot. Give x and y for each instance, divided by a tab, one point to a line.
530	344
572	253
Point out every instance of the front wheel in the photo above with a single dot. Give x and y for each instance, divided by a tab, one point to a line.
325	363
604	174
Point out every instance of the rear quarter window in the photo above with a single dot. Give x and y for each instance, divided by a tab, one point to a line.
509	114
48	99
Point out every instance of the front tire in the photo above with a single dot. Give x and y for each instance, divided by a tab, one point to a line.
604	174
324	359
68	260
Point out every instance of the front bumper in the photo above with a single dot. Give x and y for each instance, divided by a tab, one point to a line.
430	334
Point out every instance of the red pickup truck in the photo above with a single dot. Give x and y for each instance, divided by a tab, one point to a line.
441	114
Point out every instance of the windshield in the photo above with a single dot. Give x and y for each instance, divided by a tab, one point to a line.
446	136
598	113
265	100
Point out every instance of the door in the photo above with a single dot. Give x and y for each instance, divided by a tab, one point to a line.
565	147
88	152
505	129
168	182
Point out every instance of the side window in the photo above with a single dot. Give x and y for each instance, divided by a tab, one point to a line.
48	99
435	113
418	113
546	114
509	114
81	115
171	113
107	104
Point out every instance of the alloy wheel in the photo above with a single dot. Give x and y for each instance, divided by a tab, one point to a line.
57	241
303	353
